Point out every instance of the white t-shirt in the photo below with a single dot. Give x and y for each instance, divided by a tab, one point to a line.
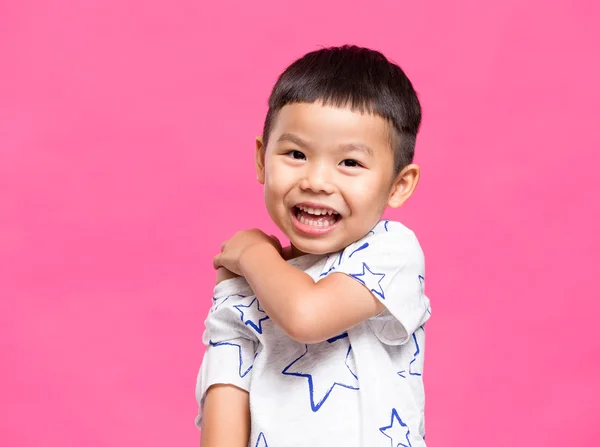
361	388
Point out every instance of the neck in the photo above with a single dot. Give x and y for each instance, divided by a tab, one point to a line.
291	252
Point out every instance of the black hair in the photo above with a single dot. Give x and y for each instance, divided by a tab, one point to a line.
359	78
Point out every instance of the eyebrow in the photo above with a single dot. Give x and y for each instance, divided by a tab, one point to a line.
357	147
348	147
292	139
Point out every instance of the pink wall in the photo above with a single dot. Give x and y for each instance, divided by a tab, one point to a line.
126	137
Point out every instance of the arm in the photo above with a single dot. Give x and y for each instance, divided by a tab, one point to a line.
306	311
226	420
387	264
224	274
221	391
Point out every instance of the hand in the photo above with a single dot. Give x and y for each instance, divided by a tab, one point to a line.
233	249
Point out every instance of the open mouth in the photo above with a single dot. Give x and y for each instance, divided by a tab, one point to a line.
316	217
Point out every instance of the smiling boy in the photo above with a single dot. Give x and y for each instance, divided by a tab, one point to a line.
322	344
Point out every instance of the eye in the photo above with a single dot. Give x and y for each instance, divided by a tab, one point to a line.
351	164
296	155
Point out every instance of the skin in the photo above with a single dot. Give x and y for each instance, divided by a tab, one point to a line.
315	154
222	405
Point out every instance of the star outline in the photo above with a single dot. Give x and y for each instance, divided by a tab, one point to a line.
318	405
241	360
383	430
366	268
248	322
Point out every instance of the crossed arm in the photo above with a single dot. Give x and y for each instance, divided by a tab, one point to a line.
306	311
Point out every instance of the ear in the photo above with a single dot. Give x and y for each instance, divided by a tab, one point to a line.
404	185
259	159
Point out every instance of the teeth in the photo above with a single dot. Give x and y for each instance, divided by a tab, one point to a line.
316	222
317	211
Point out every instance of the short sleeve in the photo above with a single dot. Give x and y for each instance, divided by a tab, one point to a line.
231	345
390	263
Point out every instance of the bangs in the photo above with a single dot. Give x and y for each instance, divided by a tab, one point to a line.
357	78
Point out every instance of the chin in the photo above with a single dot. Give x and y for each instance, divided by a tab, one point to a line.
316	248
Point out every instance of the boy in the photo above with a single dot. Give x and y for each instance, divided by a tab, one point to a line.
331	351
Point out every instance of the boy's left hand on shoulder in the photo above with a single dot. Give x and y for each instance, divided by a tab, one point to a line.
233	249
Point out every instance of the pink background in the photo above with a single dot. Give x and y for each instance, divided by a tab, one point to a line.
126	145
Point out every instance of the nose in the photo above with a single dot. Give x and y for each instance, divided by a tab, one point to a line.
317	179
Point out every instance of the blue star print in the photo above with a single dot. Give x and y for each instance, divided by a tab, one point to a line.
371	279
332	268
244	347
397	431
414	367
218	302
362	247
325	366
261	441
339	260
253	316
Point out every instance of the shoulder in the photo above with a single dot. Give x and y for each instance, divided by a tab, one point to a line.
388	238
392	229
231	298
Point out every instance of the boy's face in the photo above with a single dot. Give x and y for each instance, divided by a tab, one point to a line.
329	175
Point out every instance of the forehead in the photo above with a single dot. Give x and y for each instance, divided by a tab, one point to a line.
325	125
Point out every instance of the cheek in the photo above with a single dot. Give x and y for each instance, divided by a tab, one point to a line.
368	193
278	181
